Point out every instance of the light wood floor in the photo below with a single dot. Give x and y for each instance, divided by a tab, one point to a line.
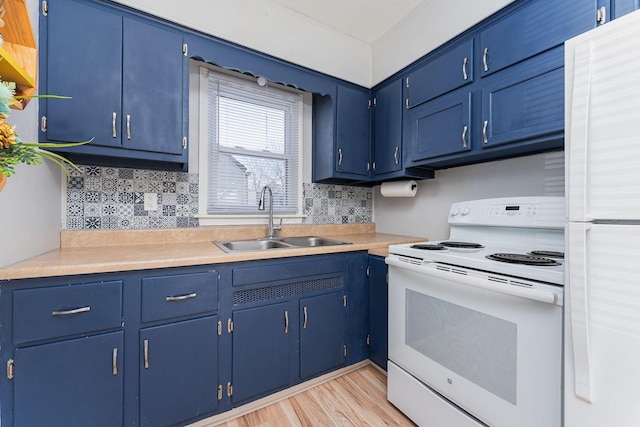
355	399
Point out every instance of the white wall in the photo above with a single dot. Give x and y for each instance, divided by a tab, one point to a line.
268	27
426	214
30	202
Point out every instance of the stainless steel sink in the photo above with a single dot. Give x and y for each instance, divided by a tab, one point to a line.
277	243
311	241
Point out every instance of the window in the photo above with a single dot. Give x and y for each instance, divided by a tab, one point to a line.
250	138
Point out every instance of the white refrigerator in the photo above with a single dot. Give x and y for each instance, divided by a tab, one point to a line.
602	270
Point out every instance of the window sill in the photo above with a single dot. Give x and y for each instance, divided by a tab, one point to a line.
208	220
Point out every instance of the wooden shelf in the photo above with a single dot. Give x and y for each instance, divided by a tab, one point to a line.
19	63
12	71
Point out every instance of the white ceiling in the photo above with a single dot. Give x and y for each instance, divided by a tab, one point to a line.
365	20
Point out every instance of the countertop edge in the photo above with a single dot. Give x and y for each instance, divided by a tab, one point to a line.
90	260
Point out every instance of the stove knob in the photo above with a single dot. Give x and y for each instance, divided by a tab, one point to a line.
455	211
466	211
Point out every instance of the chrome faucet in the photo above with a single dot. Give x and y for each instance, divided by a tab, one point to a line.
272	228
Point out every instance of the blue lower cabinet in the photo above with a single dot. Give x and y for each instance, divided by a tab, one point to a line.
77	382
378	306
178	371
261	350
322	334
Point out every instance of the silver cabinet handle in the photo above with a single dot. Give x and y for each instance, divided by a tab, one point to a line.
484	59
181	297
464	136
286	322
484	131
114	361
72	311
229	325
601	15
145	344
339	156
396	155
464	68
304	324
113	124
128	126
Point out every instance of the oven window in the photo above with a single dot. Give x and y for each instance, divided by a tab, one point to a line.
474	345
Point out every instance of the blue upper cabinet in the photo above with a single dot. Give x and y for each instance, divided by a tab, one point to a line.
440	127
515	107
126	77
341	135
387	128
443	73
525	102
533	28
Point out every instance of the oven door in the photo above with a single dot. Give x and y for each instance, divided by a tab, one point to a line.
489	344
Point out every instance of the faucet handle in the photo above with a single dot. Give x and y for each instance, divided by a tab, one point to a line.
278	227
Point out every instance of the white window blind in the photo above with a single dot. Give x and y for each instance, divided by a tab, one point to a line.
253	140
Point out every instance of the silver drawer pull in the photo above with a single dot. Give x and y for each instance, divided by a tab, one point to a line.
181	297
485	138
306	318
113	124
485	65
114	361
73	311
464	136
286	321
464	69
146	353
128	126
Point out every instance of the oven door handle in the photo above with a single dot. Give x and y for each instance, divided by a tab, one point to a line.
532	294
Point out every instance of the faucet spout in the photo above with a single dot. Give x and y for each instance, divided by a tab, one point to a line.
261	202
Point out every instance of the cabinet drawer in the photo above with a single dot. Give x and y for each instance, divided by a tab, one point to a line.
443	74
165	297
58	311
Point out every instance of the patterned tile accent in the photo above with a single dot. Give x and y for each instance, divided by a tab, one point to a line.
337	204
111	198
99	197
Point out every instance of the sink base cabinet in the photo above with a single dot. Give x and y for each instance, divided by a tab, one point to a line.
261	351
178	371
322	334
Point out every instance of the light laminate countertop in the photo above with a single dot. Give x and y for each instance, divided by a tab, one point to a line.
101	251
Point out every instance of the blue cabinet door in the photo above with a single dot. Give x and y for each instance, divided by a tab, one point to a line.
261	351
440	127
449	70
622	7
378	311
352	147
77	382
524	102
178	371
531	29
84	62
152	88
322	334
387	128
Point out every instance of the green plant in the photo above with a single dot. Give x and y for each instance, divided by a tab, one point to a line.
14	151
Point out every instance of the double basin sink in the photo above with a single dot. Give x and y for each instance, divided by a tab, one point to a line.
277	243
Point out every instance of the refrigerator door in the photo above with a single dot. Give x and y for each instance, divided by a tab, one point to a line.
602	326
602	117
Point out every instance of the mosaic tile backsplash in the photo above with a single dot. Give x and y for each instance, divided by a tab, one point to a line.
113	198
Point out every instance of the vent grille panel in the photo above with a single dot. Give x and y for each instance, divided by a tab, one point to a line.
280	291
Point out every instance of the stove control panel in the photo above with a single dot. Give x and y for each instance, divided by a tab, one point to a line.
528	210
510	212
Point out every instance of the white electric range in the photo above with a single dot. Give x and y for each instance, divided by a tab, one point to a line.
475	321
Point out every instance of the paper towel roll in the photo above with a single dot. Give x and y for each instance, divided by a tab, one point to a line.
399	189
